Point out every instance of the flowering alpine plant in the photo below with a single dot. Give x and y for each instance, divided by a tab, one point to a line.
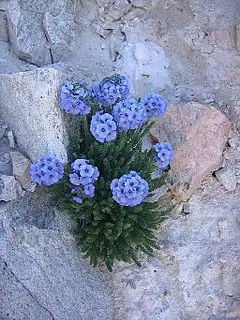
107	183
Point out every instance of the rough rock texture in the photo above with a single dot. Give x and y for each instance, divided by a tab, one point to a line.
196	273
43	276
191	50
21	170
198	135
29	104
145	63
227	177
11	139
9	188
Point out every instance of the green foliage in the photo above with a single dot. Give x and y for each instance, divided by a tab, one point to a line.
104	230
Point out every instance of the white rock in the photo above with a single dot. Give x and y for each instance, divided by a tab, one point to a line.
29	104
145	63
9	188
21	170
11	139
227	177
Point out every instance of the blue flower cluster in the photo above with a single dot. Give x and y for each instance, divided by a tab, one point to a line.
130	190
129	114
83	177
75	98
155	104
164	154
111	90
47	171
103	127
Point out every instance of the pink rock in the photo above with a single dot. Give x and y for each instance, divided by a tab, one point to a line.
198	135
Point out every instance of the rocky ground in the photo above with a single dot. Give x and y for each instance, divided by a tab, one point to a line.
189	50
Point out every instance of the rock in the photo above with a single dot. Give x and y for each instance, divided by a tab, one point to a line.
24	23
43	275
227	177
145	63
15	289
195	274
234	139
3	129
157	194
5	163
9	188
118	9
104	33
237	37
21	170
198	135
186	209
223	38
59	30
141	3
3	27
11	139
206	47
29	104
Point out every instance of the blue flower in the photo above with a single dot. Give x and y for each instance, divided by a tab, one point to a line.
89	190
77	199
129	114
130	190
75	97
103	127
111	90
83	177
47	171
164	154
155	104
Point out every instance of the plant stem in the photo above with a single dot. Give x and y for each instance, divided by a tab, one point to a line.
86	133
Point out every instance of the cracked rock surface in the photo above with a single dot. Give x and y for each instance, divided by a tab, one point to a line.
196	273
43	275
190	51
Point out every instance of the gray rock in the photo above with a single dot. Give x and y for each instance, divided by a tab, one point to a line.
29	103
59	28
118	9
146	65
238	37
24	24
3	27
5	163
13	289
21	170
11	139
3	129
186	209
227	177
234	139
195	274
157	194
9	188
45	270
